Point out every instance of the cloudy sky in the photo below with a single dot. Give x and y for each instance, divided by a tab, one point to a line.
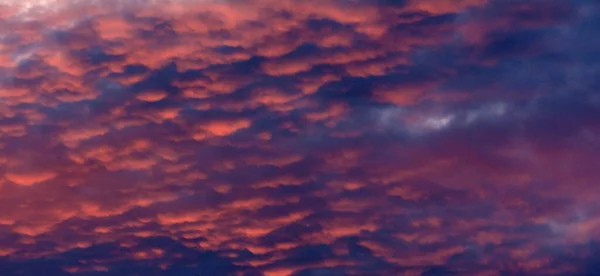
299	137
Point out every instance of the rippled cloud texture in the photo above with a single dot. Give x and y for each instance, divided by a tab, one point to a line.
300	137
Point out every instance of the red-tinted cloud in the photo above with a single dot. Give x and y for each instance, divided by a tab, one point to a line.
338	137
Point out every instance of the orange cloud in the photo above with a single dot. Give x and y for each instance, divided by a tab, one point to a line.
29	178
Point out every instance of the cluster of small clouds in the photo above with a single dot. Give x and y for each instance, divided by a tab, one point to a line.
330	137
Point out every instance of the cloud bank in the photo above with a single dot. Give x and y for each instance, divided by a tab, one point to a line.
330	137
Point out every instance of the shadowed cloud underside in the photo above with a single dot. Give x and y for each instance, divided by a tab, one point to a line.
300	137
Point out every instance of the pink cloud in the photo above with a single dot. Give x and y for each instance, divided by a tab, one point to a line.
298	137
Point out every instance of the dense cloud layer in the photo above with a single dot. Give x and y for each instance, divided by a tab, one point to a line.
300	137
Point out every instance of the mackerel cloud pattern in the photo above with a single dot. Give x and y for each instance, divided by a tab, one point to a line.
300	137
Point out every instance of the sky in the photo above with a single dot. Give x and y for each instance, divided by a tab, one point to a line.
299	137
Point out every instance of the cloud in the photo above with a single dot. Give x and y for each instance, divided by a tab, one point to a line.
262	137
29	178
